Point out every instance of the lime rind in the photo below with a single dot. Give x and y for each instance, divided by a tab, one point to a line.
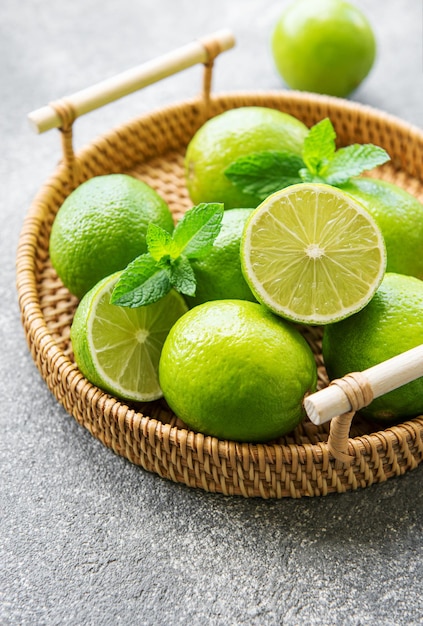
117	348
312	254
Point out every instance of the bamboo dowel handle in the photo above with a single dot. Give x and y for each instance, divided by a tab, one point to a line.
323	405
127	82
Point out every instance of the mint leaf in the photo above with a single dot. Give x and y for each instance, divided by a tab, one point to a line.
263	173
195	233
352	161
182	276
142	282
160	243
319	146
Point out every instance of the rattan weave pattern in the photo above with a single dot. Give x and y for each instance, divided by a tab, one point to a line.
152	148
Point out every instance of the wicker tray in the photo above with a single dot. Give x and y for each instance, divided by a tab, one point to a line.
314	459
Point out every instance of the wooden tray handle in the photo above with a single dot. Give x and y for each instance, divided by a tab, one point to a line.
343	397
64	112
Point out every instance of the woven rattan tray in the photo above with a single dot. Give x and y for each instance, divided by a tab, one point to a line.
315	459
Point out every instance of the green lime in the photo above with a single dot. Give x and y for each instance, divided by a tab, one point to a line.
218	274
323	46
101	227
232	369
227	137
312	254
399	216
390	324
118	349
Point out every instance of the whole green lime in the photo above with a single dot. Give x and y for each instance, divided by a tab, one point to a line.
323	46
390	324
232	369
227	137
399	216
218	274
101	227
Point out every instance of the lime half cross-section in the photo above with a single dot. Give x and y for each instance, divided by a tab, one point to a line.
312	254
118	348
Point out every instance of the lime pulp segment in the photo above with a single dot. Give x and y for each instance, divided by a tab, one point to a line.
312	254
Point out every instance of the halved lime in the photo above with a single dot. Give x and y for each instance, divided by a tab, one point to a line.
118	348
312	254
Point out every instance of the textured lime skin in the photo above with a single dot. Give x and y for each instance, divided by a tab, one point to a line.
101	227
399	216
323	46
79	337
234	370
227	137
390	324
218	274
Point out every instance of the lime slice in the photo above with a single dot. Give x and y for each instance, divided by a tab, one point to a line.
118	348
312	254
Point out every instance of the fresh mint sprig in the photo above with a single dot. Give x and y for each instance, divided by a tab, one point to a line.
166	265
323	163
263	173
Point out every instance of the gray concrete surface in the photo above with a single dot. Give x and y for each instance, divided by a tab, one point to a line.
85	537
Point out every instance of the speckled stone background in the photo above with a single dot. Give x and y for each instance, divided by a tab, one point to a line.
87	538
